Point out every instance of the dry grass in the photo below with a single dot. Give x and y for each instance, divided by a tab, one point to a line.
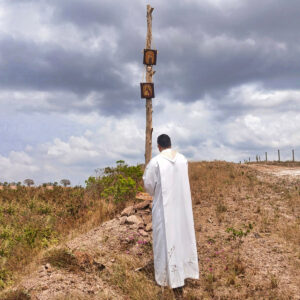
32	220
62	258
16	295
228	198
136	284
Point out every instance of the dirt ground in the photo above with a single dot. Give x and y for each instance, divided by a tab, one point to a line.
247	230
277	170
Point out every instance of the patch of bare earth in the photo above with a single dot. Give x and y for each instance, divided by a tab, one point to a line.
278	170
248	235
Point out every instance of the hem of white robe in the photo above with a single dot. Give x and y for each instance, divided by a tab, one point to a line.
178	284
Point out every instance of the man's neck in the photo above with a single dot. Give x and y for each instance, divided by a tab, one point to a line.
162	149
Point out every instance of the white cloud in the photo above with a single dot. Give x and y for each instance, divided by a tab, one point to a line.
197	130
26	20
104	141
255	96
17	167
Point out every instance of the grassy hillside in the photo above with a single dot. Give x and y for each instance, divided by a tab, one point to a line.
247	229
35	218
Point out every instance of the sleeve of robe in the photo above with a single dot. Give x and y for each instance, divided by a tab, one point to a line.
150	177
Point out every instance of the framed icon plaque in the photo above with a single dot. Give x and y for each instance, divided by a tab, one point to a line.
150	57
147	90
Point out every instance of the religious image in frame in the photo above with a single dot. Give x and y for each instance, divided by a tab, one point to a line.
150	57
147	90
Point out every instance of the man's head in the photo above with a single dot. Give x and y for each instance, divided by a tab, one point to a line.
163	142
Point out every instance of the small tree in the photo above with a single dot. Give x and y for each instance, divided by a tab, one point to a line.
28	182
65	182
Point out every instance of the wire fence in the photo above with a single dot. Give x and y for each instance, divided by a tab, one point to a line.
264	157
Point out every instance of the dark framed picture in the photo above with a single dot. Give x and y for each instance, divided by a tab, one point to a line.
150	57
147	90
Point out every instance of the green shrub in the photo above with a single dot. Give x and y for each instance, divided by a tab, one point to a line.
30	235
4	277
44	210
122	189
239	233
117	184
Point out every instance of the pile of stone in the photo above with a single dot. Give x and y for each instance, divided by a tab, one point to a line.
138	217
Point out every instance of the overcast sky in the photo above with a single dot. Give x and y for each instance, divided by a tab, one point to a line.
227	82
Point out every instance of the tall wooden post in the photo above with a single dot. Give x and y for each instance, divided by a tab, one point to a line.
149	74
278	155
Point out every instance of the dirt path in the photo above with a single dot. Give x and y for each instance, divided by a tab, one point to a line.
277	170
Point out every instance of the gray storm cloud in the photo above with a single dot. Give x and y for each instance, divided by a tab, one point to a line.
203	49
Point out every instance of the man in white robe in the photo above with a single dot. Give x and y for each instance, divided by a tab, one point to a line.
174	244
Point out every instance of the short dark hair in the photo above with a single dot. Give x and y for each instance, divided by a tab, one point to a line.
164	141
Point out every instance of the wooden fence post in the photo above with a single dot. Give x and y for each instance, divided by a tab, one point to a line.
293	151
278	155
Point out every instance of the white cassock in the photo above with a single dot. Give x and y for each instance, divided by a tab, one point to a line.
174	244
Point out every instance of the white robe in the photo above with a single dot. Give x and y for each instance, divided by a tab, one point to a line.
174	243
